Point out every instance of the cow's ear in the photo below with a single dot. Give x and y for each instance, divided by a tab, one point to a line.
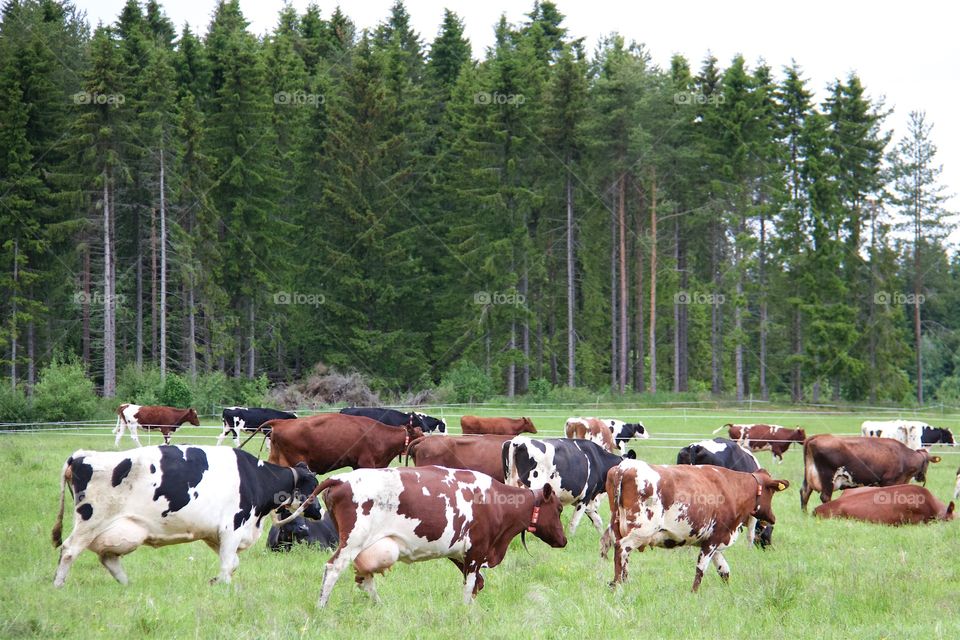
631	454
779	485
547	491
935	459
950	510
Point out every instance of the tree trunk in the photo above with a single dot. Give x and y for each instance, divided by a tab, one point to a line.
872	317
109	335
613	299
85	305
715	380
622	218
252	351
525	334
139	308
796	382
917	288
13	315
31	364
571	289
512	367
762	268
639	372
153	286
653	283
680	313
163	274
191	332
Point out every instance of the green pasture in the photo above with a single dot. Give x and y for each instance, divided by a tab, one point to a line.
821	579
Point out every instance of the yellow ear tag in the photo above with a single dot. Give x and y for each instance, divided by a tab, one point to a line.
781	486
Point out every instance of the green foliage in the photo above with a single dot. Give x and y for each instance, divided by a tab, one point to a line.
14	406
176	392
468	383
64	393
140	386
539	389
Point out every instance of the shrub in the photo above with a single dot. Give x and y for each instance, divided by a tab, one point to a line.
468	382
250	393
539	389
176	392
211	391
13	405
140	386
64	393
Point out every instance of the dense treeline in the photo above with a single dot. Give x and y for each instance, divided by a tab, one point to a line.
223	202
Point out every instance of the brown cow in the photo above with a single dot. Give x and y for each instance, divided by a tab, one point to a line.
831	462
423	513
166	419
765	437
672	505
496	426
329	441
478	453
898	504
592	429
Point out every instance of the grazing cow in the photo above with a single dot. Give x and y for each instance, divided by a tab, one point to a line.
422	513
894	505
237	419
477	453
832	462
765	437
329	441
669	506
166	419
913	433
171	494
322	533
577	469
592	429
496	426
396	418
721	452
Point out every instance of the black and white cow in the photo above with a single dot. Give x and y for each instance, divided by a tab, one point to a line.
171	494
237	419
913	433
624	431
576	469
722	452
322	533
396	418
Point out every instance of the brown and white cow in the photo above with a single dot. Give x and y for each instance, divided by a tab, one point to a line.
477	453
832	462
673	505
422	513
894	505
165	419
330	441
765	437
496	426
592	429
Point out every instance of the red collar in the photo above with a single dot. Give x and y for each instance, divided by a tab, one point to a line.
756	507
533	519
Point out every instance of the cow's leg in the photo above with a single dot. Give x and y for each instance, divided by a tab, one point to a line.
229	560
223	434
166	435
118	431
236	437
706	555
575	520
331	572
594	516
621	556
751	530
112	563
132	428
722	567
805	491
606	541
68	553
365	582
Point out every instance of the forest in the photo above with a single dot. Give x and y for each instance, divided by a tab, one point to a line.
399	205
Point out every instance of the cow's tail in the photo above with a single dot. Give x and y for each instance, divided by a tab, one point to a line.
326	484
507	454
609	537
721	428
261	429
57	533
412	451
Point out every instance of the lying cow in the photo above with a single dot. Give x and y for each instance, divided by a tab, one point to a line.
913	433
832	462
477	453
171	494
237	419
894	505
423	513
165	419
396	418
496	426
721	452
591	429
300	530
765	437
670	506
622	431
330	441
577	469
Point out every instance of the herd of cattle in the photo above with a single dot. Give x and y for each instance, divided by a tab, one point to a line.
467	497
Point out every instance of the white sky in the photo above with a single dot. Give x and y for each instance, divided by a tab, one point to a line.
907	52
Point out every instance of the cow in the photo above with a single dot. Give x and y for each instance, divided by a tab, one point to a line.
422	513
477	453
591	429
329	441
622	431
496	426
673	505
237	419
166	419
913	433
765	437
577	469
396	418
321	533
728	454
832	462
165	494
893	505
956	489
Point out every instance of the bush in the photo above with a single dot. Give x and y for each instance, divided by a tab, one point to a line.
539	389
250	393
64	393
176	392
211	391
468	383
949	391
13	405
140	386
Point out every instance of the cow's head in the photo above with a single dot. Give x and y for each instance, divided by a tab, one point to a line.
636	430
946	436
630	454
429	424
191	417
767	486
926	461
948	513
799	435
413	432
283	537
528	426
306	483
547	525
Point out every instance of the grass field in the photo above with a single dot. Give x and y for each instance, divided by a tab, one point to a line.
821	579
